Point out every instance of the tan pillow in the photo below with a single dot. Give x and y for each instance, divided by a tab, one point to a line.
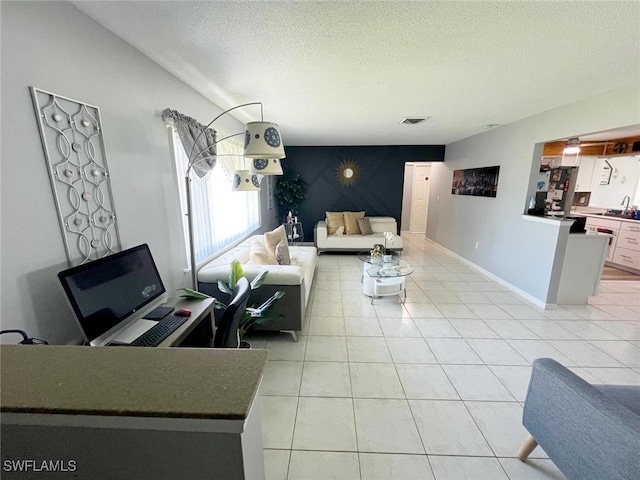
259	255
364	224
334	220
274	237
282	253
351	222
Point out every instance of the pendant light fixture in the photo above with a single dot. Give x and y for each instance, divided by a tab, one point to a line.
572	146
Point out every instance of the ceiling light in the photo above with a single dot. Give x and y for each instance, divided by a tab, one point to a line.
572	147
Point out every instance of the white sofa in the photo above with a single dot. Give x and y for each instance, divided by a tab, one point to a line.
357	243
295	280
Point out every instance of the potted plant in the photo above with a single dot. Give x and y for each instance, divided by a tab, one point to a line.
252	315
290	192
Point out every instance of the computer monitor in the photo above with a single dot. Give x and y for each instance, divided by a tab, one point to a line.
110	293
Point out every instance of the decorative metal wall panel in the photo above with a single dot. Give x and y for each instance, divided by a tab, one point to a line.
71	136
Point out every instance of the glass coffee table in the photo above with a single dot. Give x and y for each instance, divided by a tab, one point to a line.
382	279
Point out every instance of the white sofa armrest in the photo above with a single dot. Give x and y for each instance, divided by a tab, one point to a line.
320	234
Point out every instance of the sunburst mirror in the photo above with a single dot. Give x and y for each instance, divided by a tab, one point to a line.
348	172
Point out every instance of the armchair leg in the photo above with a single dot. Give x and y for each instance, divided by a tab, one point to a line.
527	447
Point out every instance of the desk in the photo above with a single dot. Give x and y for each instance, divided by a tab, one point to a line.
143	413
198	330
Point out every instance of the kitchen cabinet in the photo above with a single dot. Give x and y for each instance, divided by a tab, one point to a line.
564	161
593	223
627	251
624	248
584	180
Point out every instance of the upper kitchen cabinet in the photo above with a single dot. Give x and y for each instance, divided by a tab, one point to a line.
584	181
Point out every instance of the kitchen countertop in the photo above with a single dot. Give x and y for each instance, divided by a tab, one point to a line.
606	217
128	381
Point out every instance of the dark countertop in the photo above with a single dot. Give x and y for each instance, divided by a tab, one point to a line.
129	381
606	217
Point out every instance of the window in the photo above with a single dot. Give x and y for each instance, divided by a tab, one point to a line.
220	216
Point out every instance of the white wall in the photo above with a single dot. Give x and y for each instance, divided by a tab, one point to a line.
521	253
625	179
55	47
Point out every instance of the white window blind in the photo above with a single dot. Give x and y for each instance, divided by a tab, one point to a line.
220	216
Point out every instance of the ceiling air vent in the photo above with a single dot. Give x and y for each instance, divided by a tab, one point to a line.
413	120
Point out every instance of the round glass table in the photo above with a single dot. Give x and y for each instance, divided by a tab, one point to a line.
381	279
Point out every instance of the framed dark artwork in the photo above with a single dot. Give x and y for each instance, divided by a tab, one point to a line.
480	182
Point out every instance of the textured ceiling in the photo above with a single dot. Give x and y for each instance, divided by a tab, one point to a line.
346	73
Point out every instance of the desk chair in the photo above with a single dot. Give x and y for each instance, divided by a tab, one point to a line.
227	332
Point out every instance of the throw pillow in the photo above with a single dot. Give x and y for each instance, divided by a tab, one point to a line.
274	237
282	253
365	226
334	221
351	222
260	255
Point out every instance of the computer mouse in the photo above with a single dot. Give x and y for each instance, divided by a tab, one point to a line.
183	312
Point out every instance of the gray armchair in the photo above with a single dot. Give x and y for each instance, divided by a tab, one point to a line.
588	431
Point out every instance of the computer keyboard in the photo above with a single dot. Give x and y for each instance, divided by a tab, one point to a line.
155	335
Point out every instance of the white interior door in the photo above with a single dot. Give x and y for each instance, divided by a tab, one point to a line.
420	198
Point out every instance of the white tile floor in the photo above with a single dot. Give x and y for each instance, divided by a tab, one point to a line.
434	388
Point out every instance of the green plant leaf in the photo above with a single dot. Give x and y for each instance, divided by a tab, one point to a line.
189	293
235	274
224	288
218	304
259	280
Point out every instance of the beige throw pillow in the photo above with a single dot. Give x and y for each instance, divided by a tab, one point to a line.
274	237
259	255
334	221
365	226
351	222
282	253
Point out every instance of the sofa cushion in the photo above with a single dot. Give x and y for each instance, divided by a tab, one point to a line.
351	222
274	237
260	255
282	253
365	226
335	220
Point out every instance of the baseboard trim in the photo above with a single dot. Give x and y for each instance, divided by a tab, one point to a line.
530	298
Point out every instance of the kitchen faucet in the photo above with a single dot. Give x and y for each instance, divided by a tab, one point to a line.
628	199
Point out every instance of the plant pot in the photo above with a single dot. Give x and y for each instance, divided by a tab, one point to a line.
244	345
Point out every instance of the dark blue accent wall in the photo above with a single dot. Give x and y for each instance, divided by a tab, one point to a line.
377	190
